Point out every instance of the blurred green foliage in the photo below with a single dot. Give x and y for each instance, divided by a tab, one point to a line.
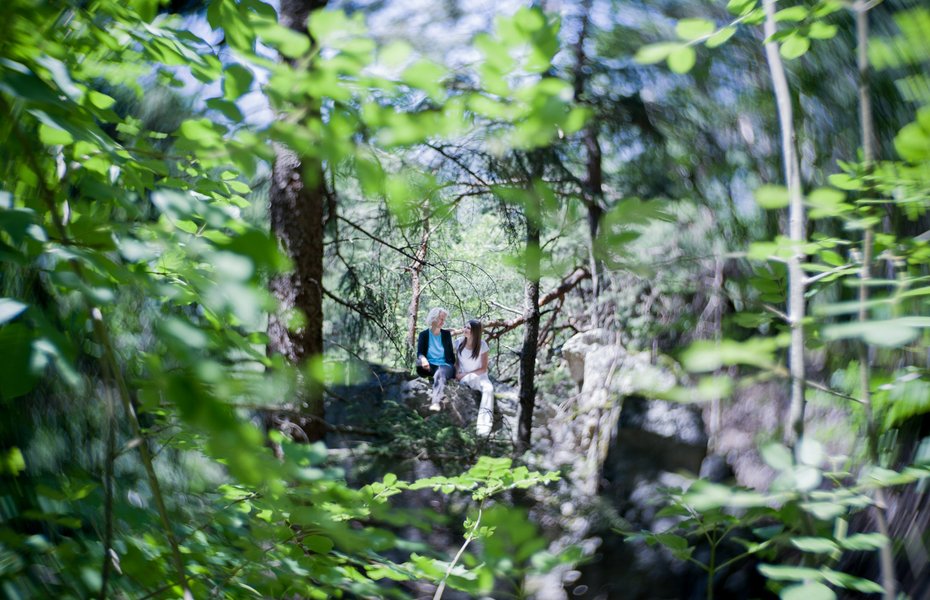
132	343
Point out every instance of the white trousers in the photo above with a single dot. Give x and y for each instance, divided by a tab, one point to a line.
486	410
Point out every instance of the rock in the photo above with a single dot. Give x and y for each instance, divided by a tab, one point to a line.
616	447
578	347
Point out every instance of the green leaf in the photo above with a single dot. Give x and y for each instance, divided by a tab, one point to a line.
864	541
851	582
52	136
227	108
202	132
913	142
706	355
100	100
772	196
236	82
395	53
792	13
740	7
682	60
819	30
284	39
10	309
807	591
825	511
692	29
655	53
777	456
891	333
15	361
789	573
318	544
827	202
721	37
12	462
794	46
427	76
815	545
845	182
827	7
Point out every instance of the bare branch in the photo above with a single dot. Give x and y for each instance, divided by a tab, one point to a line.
497	328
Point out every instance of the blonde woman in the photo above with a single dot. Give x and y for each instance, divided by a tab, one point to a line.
472	362
435	356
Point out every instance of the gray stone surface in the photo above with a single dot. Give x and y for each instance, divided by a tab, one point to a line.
616	448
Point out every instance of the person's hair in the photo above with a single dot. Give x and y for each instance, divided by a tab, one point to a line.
475	327
433	315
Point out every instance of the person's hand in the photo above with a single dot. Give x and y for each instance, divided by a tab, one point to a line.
424	363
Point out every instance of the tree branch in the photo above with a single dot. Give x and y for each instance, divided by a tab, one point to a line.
498	328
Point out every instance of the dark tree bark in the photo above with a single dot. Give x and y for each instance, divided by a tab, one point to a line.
530	347
296	202
593	182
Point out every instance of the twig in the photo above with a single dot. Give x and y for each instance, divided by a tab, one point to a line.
819	276
776	312
507	308
458	555
110	457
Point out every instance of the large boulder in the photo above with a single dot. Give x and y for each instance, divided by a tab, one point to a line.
616	446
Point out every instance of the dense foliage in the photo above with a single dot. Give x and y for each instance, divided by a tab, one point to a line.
135	260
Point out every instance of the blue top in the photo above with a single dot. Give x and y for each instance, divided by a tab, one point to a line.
436	354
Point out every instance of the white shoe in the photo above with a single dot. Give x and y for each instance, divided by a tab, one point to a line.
435	407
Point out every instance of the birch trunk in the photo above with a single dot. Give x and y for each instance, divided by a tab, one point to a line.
886	556
795	228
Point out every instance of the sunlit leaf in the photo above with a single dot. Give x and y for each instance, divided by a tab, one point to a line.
692	29
682	59
772	196
740	7
807	591
794	46
237	81
654	53
816	545
792	13
721	37
819	30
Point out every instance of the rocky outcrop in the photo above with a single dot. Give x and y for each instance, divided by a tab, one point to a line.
615	449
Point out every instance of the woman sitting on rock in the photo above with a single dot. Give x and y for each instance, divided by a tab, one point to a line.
435	356
472	361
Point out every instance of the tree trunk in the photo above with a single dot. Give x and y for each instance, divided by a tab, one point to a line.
795	228
594	177
530	328
296	201
886	552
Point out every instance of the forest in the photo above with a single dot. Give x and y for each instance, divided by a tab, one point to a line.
597	299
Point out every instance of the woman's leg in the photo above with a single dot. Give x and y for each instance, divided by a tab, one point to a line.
486	410
439	384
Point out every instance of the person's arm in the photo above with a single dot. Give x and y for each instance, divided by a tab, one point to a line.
484	365
422	349
448	349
